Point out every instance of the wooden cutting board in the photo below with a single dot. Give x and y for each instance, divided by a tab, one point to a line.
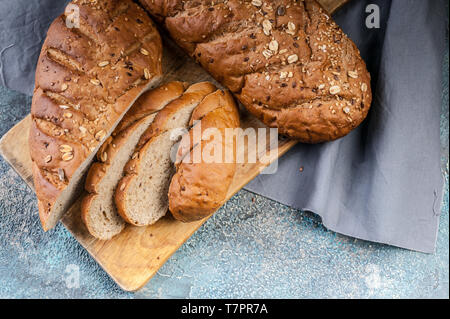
134	256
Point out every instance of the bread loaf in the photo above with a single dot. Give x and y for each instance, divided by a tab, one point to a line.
286	60
199	188
87	77
141	195
98	209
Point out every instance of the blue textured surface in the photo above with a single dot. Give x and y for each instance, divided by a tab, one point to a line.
252	247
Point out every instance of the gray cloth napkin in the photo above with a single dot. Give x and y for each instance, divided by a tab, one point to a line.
382	182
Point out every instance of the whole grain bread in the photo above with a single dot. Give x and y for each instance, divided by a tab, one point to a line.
200	185
286	60
87	77
98	209
141	195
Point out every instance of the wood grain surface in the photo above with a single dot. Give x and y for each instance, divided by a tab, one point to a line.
135	255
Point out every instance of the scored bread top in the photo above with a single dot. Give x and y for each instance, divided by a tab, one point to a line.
86	78
287	61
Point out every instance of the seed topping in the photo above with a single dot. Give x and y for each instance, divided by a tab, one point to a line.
291	28
257	3
95	82
292	58
100	135
273	46
65	148
335	90
364	87
146	74
67	156
144	51
267	27
353	74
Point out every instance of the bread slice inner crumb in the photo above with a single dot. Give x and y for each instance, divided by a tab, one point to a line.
104	221
146	198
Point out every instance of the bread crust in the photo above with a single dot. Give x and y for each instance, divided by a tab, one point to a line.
287	61
199	189
194	94
86	78
150	102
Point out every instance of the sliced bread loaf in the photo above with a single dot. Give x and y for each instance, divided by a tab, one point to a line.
98	210
141	195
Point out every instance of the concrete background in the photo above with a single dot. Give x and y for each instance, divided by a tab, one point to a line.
253	247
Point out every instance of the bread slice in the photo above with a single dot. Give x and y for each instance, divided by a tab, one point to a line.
98	209
198	189
86	80
141	195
